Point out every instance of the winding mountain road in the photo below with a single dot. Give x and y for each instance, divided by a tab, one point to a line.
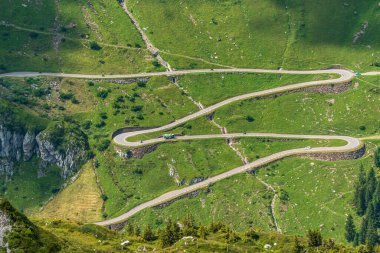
352	143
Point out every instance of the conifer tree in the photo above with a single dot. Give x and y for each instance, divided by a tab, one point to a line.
130	229
371	236
148	234
137	231
363	231
298	248
202	232
360	193
314	238
350	229
376	205
370	186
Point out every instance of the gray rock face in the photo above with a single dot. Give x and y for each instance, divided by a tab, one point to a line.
5	226
29	145
10	143
16	145
67	160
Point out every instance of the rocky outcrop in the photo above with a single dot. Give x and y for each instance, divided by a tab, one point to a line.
17	145
68	160
5	227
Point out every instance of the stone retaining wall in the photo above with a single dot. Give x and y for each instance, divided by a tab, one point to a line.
335	156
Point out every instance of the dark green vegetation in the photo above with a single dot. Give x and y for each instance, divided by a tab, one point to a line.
367	205
60	236
268	34
24	236
66	36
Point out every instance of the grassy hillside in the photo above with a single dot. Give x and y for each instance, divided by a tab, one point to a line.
69	205
57	36
292	34
353	112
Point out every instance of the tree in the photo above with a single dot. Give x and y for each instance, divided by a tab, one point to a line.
130	229
376	205
314	238
298	247
95	46
137	231
363	231
370	186
377	158
148	234
350	229
360	193
371	236
202	232
170	235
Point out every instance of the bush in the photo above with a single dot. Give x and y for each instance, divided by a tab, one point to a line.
95	46
377	157
87	124
103	115
90	83
136	108
104	144
141	84
156	64
102	94
101	124
362	128
33	35
249	118
66	95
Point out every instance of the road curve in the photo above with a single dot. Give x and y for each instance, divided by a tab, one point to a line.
351	143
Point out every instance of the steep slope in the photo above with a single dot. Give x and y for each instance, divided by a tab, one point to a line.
289	33
18	234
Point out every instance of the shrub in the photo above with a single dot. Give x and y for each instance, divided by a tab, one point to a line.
95	46
66	95
156	64
101	124
103	115
377	157
362	128
33	35
249	118
87	124
102	94
141	84
90	83
104	144
136	108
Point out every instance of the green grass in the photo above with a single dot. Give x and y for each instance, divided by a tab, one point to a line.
240	201
319	193
133	181
268	34
27	191
254	148
212	88
60	42
307	113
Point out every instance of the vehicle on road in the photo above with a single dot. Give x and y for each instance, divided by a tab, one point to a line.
169	136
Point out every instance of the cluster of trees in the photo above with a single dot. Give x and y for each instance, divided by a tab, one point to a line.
174	231
367	205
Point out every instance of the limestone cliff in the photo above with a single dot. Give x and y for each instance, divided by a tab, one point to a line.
63	146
